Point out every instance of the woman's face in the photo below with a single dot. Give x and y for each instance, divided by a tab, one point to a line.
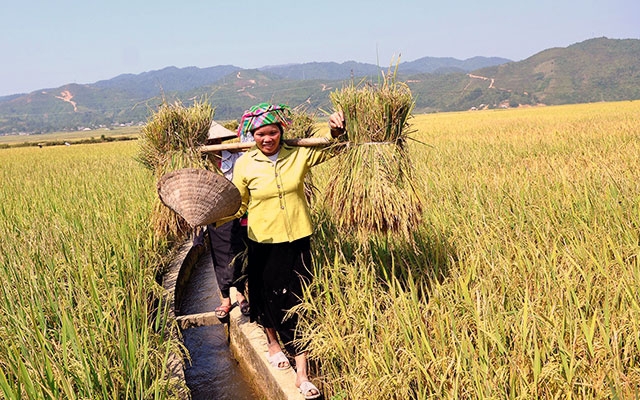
267	139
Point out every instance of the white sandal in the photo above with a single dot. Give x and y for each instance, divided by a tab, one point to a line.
307	388
279	361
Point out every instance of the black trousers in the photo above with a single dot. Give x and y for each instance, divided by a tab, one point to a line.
277	273
228	253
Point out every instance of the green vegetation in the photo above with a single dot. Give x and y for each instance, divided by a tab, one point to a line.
81	313
592	71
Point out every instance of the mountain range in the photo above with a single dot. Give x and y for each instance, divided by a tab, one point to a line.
599	69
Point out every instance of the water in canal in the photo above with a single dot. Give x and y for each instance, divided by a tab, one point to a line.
213	373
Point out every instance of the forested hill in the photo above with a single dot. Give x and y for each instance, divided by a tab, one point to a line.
594	70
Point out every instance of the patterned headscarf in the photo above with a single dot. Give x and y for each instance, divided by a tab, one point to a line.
261	115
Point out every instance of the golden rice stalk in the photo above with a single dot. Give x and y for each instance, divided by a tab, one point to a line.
373	189
303	126
174	130
169	141
376	113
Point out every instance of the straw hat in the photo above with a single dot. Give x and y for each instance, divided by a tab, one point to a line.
199	196
217	131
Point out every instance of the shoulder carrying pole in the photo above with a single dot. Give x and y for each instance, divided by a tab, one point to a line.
237	146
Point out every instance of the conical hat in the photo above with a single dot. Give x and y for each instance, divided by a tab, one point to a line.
217	131
199	196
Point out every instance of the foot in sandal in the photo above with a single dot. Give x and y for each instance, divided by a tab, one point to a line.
223	311
309	390
279	361
245	309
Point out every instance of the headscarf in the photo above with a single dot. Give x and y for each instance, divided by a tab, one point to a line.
260	115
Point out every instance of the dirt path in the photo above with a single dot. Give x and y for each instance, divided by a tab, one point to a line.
483	78
66	95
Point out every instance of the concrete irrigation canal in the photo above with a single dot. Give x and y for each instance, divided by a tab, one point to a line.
227	358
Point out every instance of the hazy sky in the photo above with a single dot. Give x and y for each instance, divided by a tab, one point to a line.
49	43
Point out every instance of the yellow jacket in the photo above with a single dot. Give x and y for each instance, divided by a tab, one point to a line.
273	193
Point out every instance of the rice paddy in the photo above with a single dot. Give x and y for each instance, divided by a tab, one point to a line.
525	282
81	315
522	282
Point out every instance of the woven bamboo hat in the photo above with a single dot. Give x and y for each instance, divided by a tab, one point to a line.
217	131
199	196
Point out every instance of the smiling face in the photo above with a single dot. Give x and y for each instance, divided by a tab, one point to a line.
267	139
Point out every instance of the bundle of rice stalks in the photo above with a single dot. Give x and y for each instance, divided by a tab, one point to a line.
303	126
302	123
373	190
174	131
168	142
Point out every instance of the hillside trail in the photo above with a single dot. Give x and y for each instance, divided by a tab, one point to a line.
492	81
66	96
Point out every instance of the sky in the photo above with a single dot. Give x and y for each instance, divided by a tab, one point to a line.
50	43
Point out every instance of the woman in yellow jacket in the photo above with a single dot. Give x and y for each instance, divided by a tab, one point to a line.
270	178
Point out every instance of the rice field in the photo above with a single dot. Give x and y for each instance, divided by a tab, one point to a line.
81	315
71	137
522	281
525	280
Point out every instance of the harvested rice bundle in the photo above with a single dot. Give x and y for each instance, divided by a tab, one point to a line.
373	190
303	126
170	138
168	142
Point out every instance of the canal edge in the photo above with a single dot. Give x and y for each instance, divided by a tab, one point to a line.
172	280
247	340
